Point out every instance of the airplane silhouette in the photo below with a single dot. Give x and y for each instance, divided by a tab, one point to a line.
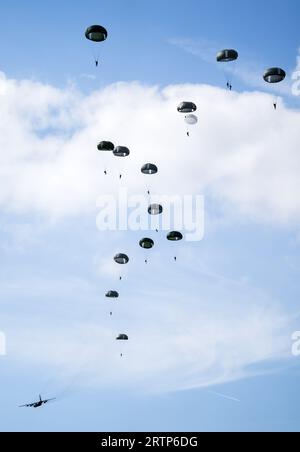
38	404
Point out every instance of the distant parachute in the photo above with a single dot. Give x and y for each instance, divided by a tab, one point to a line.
274	75
147	244
227	55
121	151
112	294
121	259
149	169
96	34
106	146
186	107
175	236
191	120
122	337
155	209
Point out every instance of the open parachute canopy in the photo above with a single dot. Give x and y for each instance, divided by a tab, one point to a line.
274	75
121	151
191	120
155	209
187	107
149	169
122	337
112	294
147	244
227	55
121	259
175	236
96	33
106	146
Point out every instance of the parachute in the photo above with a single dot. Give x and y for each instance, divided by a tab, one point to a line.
122	337
274	75
175	236
96	33
121	259
106	146
227	55
186	107
147	244
149	169
155	209
191	120
121	151
112	294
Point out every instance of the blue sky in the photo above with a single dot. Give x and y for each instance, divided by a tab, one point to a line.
55	264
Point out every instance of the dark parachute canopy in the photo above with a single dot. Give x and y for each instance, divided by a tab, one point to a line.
274	75
96	33
155	209
149	169
122	337
227	55
105	146
147	244
112	294
121	259
187	107
121	151
175	236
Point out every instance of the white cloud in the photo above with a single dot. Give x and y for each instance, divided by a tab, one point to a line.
242	153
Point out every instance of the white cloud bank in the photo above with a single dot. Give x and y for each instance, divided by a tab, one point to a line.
242	153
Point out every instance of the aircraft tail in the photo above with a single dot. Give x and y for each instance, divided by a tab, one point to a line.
40	398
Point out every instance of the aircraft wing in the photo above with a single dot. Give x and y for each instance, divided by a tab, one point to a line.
49	400
27	406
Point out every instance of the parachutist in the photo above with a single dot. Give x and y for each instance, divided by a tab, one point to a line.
275	106
120	176
188	134
105	172
97	63
230	87
175	259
